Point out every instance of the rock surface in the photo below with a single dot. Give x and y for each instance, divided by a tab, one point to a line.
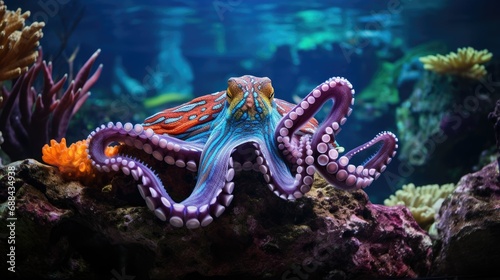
469	227
68	231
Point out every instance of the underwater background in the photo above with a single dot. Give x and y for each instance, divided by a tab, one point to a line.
157	54
427	71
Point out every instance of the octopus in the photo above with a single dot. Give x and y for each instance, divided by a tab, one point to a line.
243	128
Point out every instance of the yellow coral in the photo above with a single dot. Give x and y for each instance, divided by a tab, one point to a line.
466	62
423	202
17	42
72	161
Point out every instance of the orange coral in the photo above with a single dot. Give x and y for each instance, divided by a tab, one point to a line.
72	161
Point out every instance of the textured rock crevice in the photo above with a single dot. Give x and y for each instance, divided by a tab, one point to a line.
469	227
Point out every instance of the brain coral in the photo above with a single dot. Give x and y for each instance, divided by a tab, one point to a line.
466	62
424	201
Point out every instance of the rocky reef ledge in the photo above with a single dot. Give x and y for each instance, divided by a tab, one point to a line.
469	227
65	230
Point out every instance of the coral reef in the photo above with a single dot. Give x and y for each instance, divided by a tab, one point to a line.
440	117
418	117
466	62
72	161
31	116
423	201
469	227
85	233
17	42
383	90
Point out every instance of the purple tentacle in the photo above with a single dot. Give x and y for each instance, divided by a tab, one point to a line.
324	157
194	211
338	89
287	183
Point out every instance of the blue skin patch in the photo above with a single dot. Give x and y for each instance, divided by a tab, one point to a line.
171	120
220	98
189	107
159	120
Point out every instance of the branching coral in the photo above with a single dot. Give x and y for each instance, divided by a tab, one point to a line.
424	201
466	62
72	161
18	43
30	117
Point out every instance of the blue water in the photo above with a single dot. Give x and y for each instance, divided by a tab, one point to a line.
193	47
229	37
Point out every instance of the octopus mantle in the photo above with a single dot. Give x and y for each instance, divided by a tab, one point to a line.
243	128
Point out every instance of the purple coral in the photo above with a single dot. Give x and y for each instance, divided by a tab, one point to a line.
31	117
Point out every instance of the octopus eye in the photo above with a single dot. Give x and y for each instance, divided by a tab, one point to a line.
232	88
268	90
